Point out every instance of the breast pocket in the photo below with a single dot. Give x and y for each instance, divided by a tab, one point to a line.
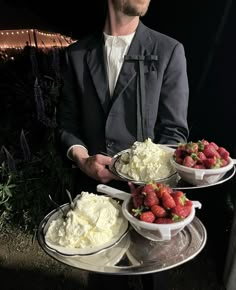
149	68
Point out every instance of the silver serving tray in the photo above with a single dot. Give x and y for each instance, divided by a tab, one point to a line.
135	255
174	181
182	185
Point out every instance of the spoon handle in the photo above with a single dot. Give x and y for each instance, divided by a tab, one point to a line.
70	198
113	192
58	206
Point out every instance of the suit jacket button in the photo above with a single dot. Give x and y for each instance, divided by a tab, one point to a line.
110	144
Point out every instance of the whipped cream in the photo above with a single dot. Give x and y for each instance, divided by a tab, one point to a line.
146	161
95	220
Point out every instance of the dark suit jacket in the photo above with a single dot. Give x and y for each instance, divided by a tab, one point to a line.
89	116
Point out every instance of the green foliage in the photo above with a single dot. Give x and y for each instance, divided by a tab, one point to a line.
31	167
24	194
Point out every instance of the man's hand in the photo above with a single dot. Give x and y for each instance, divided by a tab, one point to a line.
95	166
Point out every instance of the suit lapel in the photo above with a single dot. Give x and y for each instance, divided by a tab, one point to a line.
96	64
139	46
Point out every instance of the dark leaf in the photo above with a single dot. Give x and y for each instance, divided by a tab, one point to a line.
9	159
25	146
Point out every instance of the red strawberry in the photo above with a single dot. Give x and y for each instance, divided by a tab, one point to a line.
204	142
179	153
179	197
210	151
137	201
201	144
159	185
179	160
150	199
164	221
158	211
136	194
224	162
212	163
137	211
214	145
135	191
188	161
182	147
191	147
223	153
188	202
199	166
162	190
201	157
149	187
147	216
181	211
168	201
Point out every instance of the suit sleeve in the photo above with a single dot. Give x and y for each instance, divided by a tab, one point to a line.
172	126
68	115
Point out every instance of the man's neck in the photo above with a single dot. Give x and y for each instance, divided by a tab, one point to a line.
120	24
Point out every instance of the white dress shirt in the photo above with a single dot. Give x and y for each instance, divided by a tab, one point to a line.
115	49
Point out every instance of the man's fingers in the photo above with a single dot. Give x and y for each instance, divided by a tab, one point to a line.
104	160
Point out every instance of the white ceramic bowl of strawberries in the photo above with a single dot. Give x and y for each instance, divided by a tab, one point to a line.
158	221
202	162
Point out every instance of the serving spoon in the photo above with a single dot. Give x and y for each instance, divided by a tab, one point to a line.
72	203
58	206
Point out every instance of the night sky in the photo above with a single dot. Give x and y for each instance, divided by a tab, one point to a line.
185	20
167	16
179	19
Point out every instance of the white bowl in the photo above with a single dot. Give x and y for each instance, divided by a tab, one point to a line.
170	180
65	251
151	231
157	232
201	176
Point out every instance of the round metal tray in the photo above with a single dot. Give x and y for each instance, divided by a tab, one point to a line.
176	183
135	255
182	185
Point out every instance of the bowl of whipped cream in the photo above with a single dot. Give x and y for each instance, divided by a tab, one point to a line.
94	224
145	162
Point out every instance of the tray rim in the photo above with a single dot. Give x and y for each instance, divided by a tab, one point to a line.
228	175
150	267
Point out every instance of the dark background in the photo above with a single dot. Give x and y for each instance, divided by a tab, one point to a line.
205	27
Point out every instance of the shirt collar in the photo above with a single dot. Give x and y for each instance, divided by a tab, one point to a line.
125	39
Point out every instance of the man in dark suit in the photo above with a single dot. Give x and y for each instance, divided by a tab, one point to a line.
125	84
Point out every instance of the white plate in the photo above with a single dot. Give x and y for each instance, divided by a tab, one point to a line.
57	213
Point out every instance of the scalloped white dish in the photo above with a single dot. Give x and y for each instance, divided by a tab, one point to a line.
170	180
65	251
